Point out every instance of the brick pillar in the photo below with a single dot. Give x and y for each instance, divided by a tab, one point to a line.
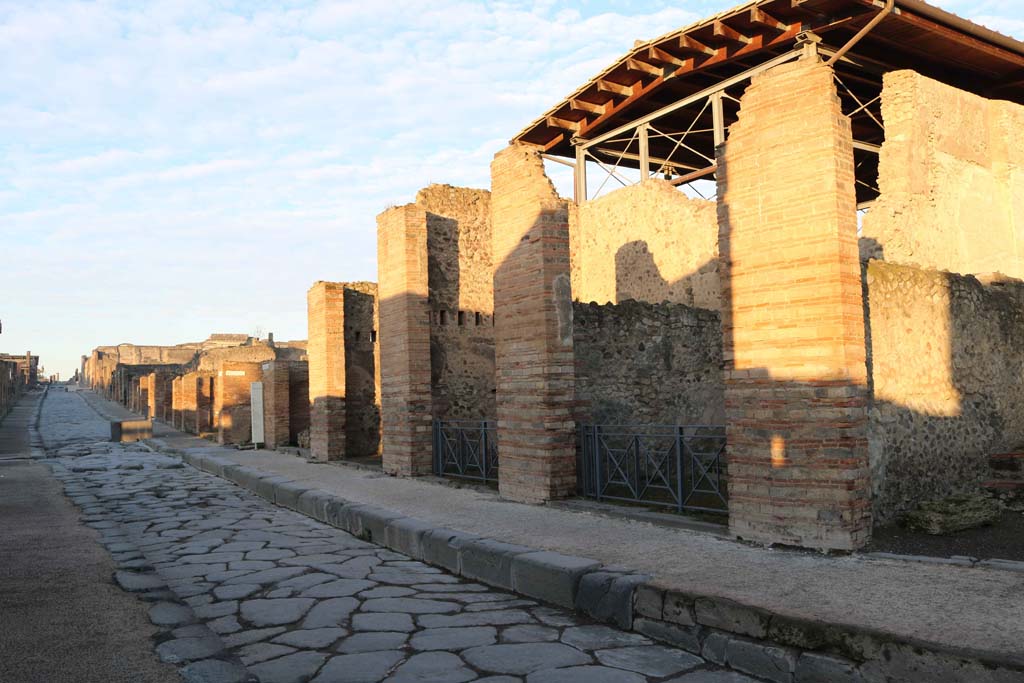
144	405
793	319
232	400
177	384
404	340
276	404
189	402
326	352
533	330
206	417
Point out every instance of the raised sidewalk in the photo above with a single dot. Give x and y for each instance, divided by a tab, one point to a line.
785	615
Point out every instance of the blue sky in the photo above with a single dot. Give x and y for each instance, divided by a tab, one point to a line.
172	169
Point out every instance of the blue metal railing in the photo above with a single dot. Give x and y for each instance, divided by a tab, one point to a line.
678	466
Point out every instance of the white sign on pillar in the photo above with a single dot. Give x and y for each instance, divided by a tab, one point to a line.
256	407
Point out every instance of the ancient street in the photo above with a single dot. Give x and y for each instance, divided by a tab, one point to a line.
238	587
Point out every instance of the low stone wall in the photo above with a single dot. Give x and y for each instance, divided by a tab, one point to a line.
641	363
947	371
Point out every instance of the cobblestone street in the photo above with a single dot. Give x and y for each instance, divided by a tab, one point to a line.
244	589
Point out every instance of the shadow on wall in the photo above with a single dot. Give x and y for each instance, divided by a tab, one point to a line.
461	339
945	375
362	409
635	264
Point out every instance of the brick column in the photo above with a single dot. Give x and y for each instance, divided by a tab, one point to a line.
404	340
232	400
189	403
793	319
326	351
177	385
206	413
276	404
533	330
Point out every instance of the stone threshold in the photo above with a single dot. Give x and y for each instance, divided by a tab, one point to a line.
779	647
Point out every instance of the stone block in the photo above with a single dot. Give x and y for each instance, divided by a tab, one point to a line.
490	561
443	548
608	596
731	616
368	522
765	660
405	535
313	503
649	601
685	637
678	609
714	648
287	494
548	576
813	667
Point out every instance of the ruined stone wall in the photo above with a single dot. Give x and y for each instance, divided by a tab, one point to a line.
276	401
232	401
947	376
343	370
460	278
11	386
404	340
640	363
206	417
952	180
211	359
648	242
298	400
792	316
362	371
188	404
533	330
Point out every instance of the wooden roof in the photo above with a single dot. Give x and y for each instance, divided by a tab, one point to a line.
667	69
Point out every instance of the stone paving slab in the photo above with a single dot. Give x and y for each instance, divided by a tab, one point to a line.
244	588
697	611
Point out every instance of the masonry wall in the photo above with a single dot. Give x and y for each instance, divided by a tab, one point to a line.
362	371
12	386
344	376
533	330
232	401
176	396
206	417
461	300
189	402
647	242
948	372
793	327
952	180
640	363
298	400
405	316
276	404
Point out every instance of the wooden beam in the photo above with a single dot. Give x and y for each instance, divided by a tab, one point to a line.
664	57
722	30
589	107
695	46
643	67
617	88
761	18
565	124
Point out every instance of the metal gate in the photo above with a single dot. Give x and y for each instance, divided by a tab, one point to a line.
677	466
466	449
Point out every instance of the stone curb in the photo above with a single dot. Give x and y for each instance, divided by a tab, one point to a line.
753	640
958	560
544	575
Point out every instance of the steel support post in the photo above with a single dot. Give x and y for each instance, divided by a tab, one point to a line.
579	174
645	158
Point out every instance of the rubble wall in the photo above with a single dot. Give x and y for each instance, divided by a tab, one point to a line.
460	276
947	374
641	363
